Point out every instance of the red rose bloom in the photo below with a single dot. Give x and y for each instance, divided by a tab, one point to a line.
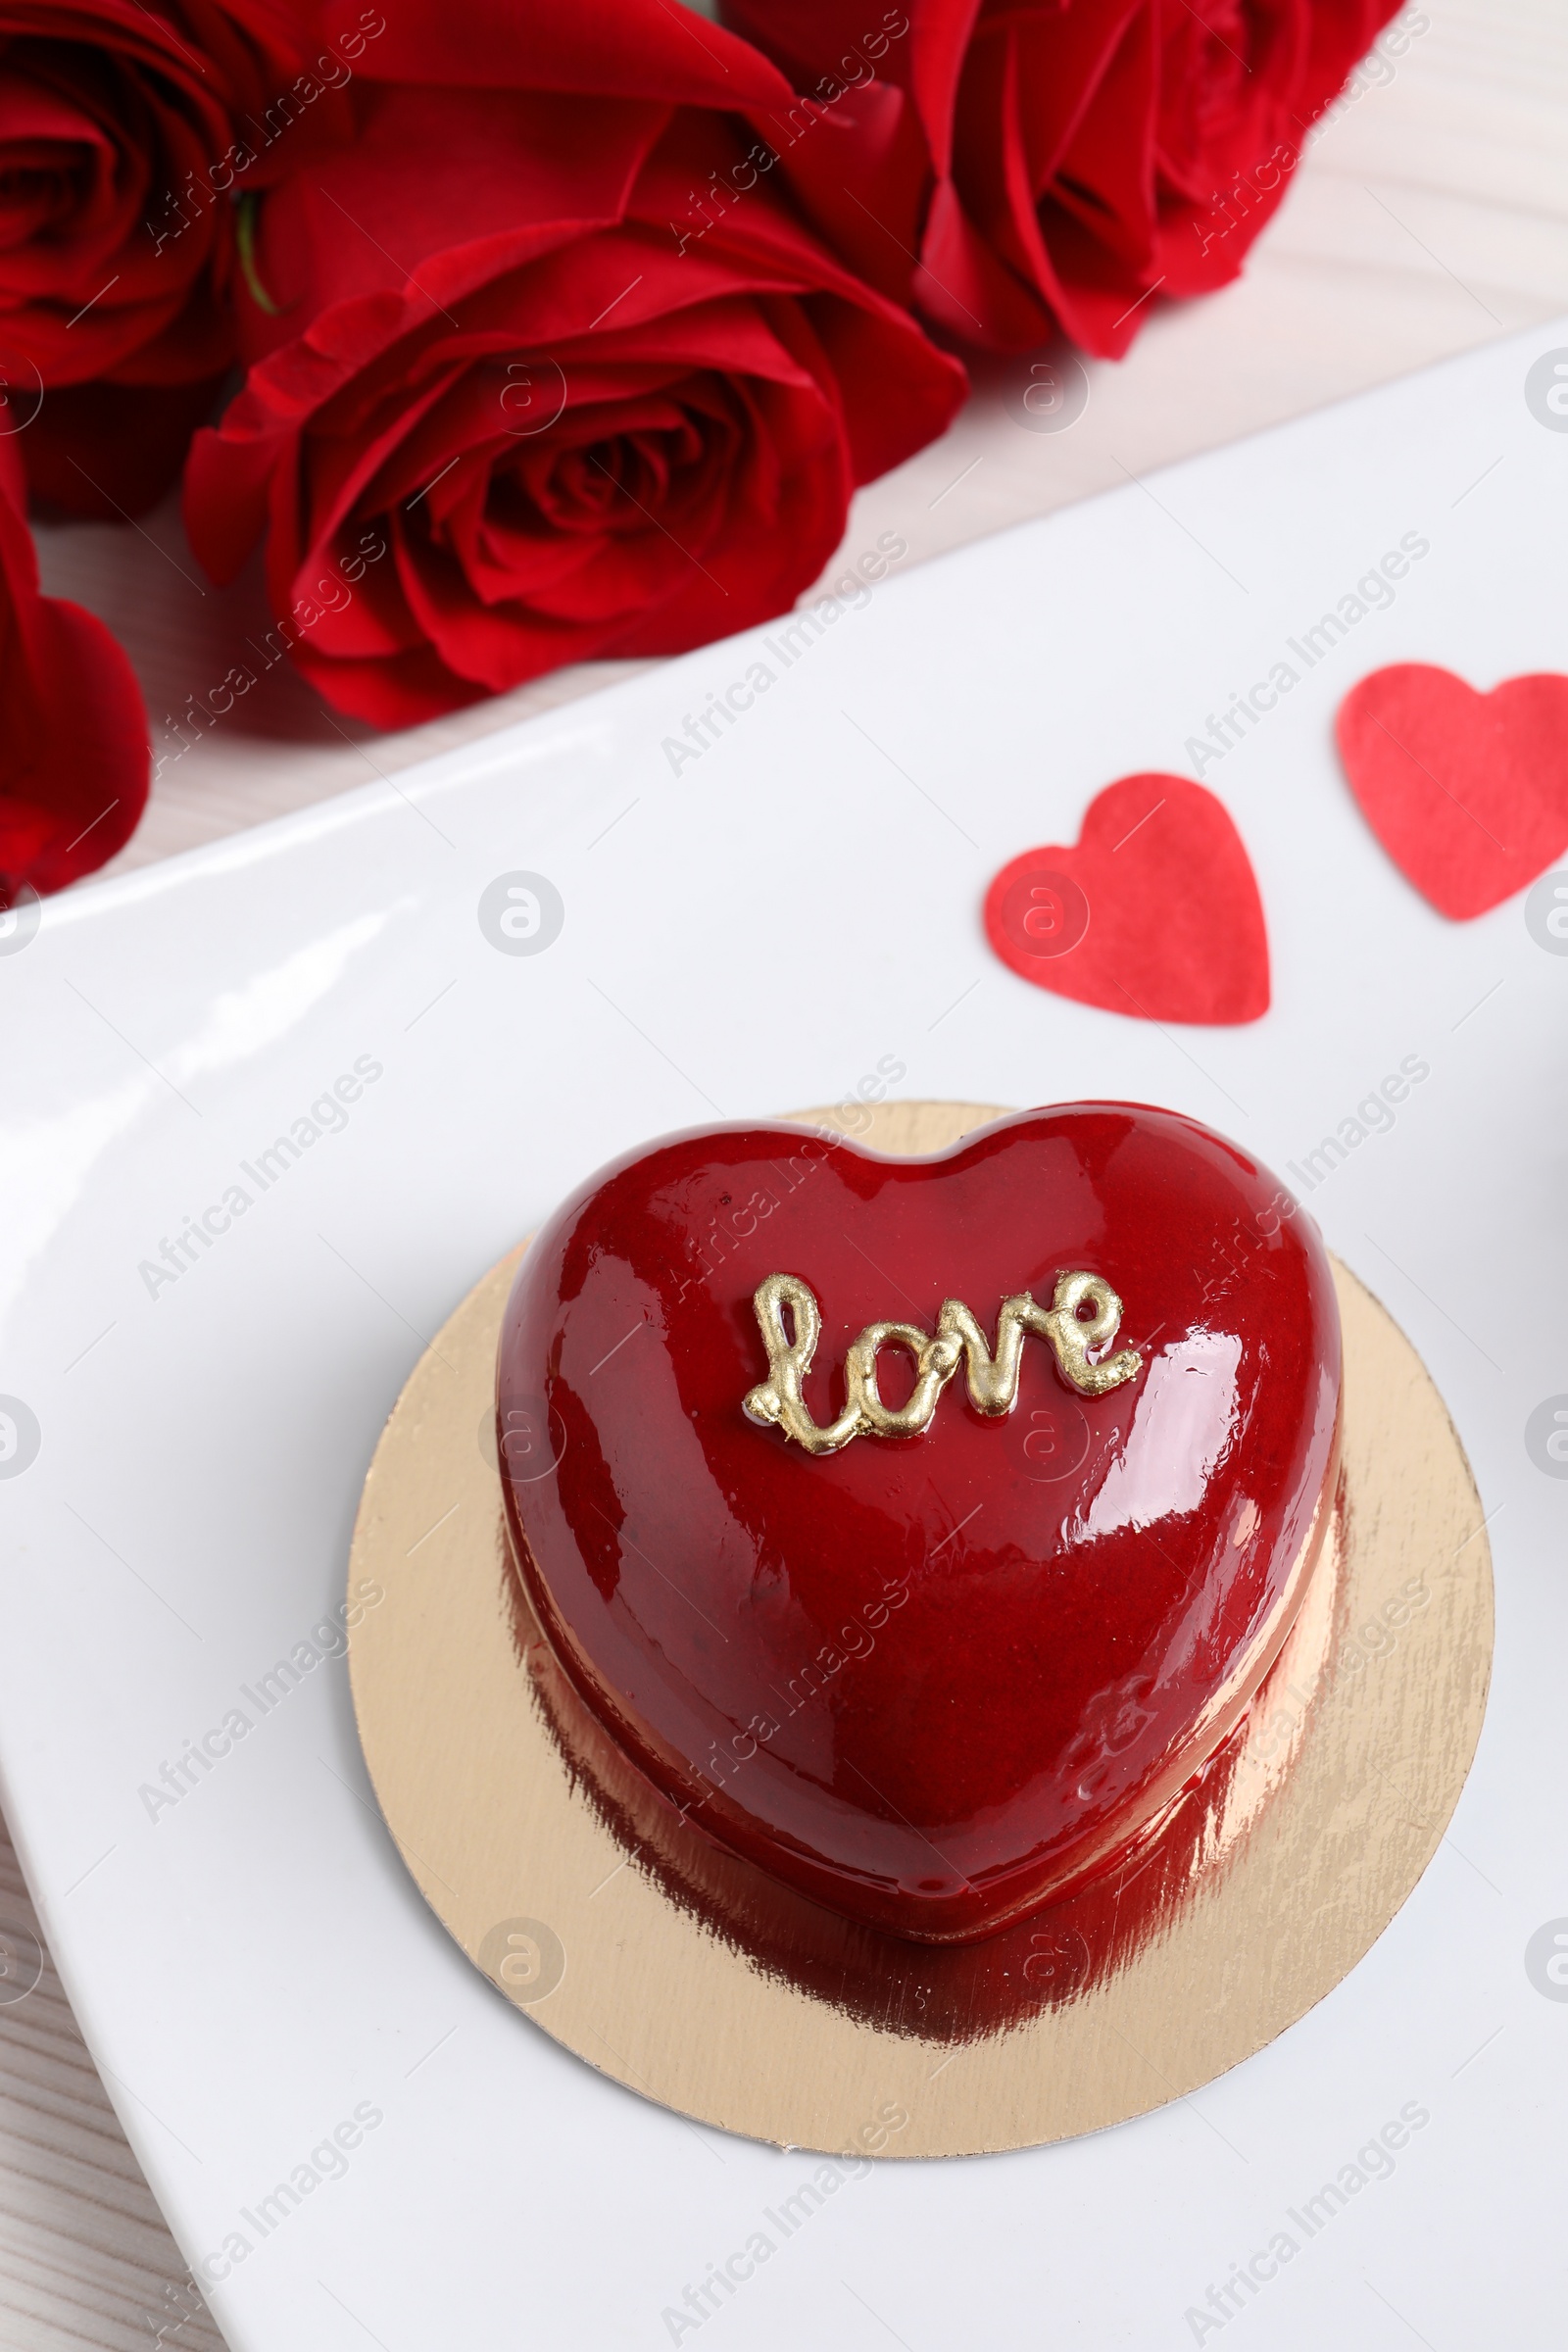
555	371
125	132
73	746
1019	164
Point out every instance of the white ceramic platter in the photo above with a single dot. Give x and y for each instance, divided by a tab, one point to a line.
794	910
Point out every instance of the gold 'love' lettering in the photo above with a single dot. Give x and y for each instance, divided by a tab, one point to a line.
992	1378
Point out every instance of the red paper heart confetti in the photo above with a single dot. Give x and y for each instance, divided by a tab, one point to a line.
1154	911
1467	792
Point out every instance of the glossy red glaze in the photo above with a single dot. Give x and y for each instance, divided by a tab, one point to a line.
938	1681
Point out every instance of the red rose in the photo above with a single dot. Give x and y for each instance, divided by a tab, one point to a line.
73	746
1010	166
555	371
125	132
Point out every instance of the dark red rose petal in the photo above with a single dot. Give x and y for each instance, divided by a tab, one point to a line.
74	752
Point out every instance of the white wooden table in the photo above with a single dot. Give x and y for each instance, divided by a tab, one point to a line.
1429	216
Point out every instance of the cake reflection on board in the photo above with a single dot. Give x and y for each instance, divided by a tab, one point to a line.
951	1993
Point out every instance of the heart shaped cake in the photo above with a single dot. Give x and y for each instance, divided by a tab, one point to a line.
920	1526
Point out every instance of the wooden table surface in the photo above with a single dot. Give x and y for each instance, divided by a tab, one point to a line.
1431	214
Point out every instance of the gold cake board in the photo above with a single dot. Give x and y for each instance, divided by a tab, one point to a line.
693	1979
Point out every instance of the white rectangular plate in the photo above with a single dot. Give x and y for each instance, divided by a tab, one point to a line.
250	1963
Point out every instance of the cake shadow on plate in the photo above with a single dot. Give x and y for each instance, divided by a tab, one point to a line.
951	1994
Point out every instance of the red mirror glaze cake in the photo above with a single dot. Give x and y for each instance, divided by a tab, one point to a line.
919	1527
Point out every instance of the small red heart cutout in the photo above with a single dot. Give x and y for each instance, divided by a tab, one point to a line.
1154	911
1467	792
